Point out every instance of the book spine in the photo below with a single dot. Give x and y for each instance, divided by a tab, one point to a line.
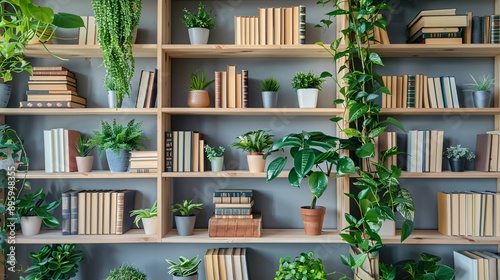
233	193
302	24
74	213
120	201
495	29
49	68
49	104
411	91
476	30
144	170
54	73
244	88
66	214
169	151
233	211
250	216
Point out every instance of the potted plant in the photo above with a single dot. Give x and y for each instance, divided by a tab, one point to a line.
457	155
308	86
198	96
128	272
117	140
12	152
84	162
304	266
481	91
269	88
184	269
33	210
22	21
185	219
427	267
117	23
149	217
111	89
216	157
55	262
255	143
199	25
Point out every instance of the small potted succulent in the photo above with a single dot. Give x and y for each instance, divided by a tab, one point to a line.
457	155
126	272
308	86
481	91
184	269
185	219
149	217
56	261
199	25
216	157
84	162
33	210
198	97
269	88
304	266
255	143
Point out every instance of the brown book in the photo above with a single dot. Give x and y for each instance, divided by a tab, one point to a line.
436	41
70	141
269	26
495	142
125	203
483	152
49	68
388	98
57	97
51	87
384	96
262	26
239	97
50	104
444	208
53	73
244	88
394	96
56	92
52	78
231	86
82	212
468	29
196	152
224	89
235	227
218	89
149	92
202	156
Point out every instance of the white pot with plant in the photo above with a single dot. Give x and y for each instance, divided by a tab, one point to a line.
481	91
111	89
185	219
198	97
255	143
184	269
33	210
84	162
308	86
457	155
149	218
269	88
216	157
199	25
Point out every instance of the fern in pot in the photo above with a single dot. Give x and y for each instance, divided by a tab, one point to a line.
199	24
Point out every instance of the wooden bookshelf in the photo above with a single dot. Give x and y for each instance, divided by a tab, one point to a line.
95	174
77	111
439	111
56	237
451	175
225	174
84	51
254	111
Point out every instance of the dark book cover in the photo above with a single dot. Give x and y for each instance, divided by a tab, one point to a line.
66	214
483	148
125	204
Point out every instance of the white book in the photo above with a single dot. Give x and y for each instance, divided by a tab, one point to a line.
244	268
237	269
55	150
65	148
465	267
60	148
228	253
454	93
47	147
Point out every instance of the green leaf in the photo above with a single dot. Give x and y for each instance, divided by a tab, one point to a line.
303	162
444	272
43	14
275	168
372	97
359	260
318	182
365	151
357	111
394	122
65	20
375	58
371	216
350	218
406	229
293	178
377	131
336	119
345	165
338	101
351	132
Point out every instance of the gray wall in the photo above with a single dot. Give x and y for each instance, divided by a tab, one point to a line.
277	200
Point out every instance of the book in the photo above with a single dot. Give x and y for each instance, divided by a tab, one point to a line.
234	205
424	13
91	30
114	212
444	208
480	265
55	150
88	215
244	88
52	78
262	26
295	25
143	170
70	154
50	104
169	151
100	212
438	21
49	68
209	271
49	160
288	26
124	204
142	89
483	152
465	266
269	26
188	151
82	217
215	263
232	211
245	216
236	261
476	32
239	95
228	261
202	155
94	212
144	163
302	24
420	35
57	97
142	154
494	29
218	89
53	73
73	211
436	41
106	212
454	93
237	30
50	86
224	89
195	155
231	86
468	29
152	90
57	92
277	26
82	31
439	93
66	213
222	264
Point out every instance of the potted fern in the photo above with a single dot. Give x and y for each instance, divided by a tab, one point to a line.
149	218
126	272
269	88
308	86
216	157
199	25
255	143
84	162
185	219
198	97
184	269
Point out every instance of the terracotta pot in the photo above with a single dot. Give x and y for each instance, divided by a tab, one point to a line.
150	225
256	163
198	99
30	225
84	164
313	219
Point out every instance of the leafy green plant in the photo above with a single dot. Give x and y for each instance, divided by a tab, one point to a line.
126	272
117	21
199	80
213	152
304	266
20	21
254	141
307	80
482	83
202	19
270	84
82	146
186	207
459	152
144	213
110	84
34	205
54	262
427	267
115	136
184	267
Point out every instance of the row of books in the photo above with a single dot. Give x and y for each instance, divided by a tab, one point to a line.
425	151
226	264
143	162
477	265
97	211
272	26
147	91
488	152
471	213
420	91
59	150
383	142
87	35
184	151
234	204
485	29
231	88
440	20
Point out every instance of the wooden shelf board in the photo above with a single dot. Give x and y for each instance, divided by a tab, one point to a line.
225	174
55	236
440	111
84	51
95	174
451	175
255	111
422	50
77	111
434	237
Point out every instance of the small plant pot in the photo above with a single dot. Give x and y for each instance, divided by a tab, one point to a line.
84	164
217	164
198	36
483	99
457	164
388	228
192	277
5	91
185	224
118	162
313	219
112	103
307	97
30	225
198	99
150	225
269	99
256	163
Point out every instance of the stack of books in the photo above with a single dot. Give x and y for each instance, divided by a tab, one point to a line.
97	211
147	90
59	150
226	263
488	152
424	151
52	87
184	151
471	213
437	27
476	265
231	88
143	161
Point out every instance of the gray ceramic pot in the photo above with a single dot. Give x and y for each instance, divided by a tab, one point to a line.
185	224
118	162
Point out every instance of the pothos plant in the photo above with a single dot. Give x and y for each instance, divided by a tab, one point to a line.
379	193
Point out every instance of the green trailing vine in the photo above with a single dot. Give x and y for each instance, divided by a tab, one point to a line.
116	21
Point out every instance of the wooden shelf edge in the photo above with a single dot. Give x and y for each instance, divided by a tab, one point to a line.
440	111
84	51
78	111
434	237
56	237
222	174
255	111
451	175
95	174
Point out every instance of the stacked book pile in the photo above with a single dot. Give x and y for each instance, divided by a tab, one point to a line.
437	27
420	91
233	215
143	161
52	87
97	211
425	150
272	26
231	88
476	265
383	142
226	264
471	213
184	151
59	149
488	151
485	29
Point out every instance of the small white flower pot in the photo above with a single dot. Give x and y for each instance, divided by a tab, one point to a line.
307	97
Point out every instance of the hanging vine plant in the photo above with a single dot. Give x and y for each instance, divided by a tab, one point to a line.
116	21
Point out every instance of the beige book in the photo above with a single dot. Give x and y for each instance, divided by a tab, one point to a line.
106	212
418	91
251	28
100	212
88	215
431	92
246	31
114	211
384	96
231	86
82	31
438	21
223	89
257	30
455	206
202	156
228	260
442	41
488	217
91	31
237	30
469	209
433	153
175	152
388	98
399	97
222	264
495	143
480	264
405	91
215	263
236	260
425	92
462	215
209	271
239	97
262	26
81	212
476	212
426	13
282	23
496	214
440	142
277	26
196	152
444	220
295	25
394	96
270	26
288	26
94	213
490	265
439	92
243	28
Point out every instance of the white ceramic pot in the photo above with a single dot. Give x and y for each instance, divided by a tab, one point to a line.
217	163
198	36
30	225
388	228
307	97
84	164
150	225
111	99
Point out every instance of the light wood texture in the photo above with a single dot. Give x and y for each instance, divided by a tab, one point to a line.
68	51
441	111
56	237
225	174
423	50
77	111
451	175
41	174
255	111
